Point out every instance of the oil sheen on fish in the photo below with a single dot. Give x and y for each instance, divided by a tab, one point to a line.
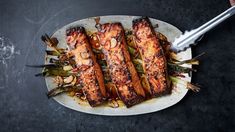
154	61
90	72
123	74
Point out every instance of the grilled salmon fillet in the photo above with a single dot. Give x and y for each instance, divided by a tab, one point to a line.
122	71
90	71
154	62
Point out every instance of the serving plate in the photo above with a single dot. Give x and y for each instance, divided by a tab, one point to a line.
153	105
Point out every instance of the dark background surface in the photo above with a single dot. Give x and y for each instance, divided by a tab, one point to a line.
24	106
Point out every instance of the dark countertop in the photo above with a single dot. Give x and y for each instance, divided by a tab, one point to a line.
24	106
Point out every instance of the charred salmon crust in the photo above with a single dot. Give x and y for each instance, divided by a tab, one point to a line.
122	71
90	72
154	61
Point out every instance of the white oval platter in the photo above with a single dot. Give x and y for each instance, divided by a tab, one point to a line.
149	106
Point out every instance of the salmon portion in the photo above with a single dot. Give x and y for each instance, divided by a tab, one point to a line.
154	61
90	71
122	71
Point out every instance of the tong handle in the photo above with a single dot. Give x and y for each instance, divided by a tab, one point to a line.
212	23
217	20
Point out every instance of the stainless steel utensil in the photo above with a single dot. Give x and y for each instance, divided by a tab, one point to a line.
190	37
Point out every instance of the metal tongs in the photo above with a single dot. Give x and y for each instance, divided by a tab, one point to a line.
191	37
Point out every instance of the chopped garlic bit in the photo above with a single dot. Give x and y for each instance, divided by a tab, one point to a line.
113	103
68	79
58	80
113	42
